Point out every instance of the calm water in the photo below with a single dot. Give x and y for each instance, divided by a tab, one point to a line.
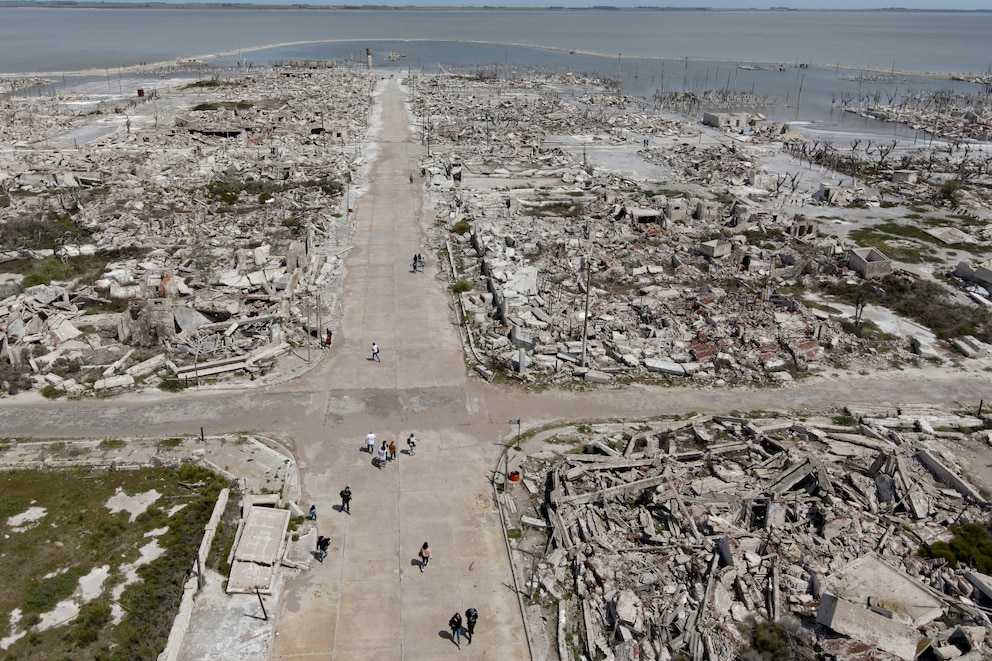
47	39
647	50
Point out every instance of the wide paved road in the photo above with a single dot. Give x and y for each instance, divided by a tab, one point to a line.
369	600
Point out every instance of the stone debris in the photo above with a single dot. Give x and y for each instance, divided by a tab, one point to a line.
605	277
213	232
667	539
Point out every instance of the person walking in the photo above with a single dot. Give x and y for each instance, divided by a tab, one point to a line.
312	514
375	353
455	624
471	617
425	556
322	544
412	444
415	263
346	500
370	442
382	455
392	450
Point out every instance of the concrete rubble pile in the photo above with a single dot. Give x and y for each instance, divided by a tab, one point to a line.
683	284
213	231
673	537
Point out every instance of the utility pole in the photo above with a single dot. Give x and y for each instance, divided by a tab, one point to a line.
585	315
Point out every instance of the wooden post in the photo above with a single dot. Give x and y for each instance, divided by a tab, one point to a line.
981	402
201	435
262	603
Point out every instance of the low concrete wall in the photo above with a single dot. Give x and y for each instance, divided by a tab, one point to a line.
185	615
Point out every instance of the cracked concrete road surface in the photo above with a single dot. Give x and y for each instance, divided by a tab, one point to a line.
369	599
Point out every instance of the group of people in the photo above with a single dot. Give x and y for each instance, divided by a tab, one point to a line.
456	626
386	452
322	544
418	263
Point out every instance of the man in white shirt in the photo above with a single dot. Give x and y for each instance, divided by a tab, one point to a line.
370	442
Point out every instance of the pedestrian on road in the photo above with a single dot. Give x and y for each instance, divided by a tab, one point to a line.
312	514
322	544
455	624
382	455
420	261
370	442
471	617
415	263
375	353
392	450
346	500
412	444
425	556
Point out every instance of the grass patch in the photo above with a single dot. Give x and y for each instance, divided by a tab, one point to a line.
42	561
554	209
39	232
461	286
225	105
227	191
927	303
875	237
86	268
209	83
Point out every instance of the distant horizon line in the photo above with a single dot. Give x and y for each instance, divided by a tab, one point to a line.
132	4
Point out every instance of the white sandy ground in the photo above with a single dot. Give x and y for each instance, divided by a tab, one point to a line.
26	519
16	634
134	505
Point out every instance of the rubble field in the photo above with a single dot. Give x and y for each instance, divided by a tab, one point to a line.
677	538
591	239
194	229
178	236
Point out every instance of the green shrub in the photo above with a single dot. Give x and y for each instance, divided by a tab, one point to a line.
461	286
771	641
461	227
52	392
44	594
92	617
171	385
972	544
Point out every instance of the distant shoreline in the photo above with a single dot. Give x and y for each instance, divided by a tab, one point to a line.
180	61
111	4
